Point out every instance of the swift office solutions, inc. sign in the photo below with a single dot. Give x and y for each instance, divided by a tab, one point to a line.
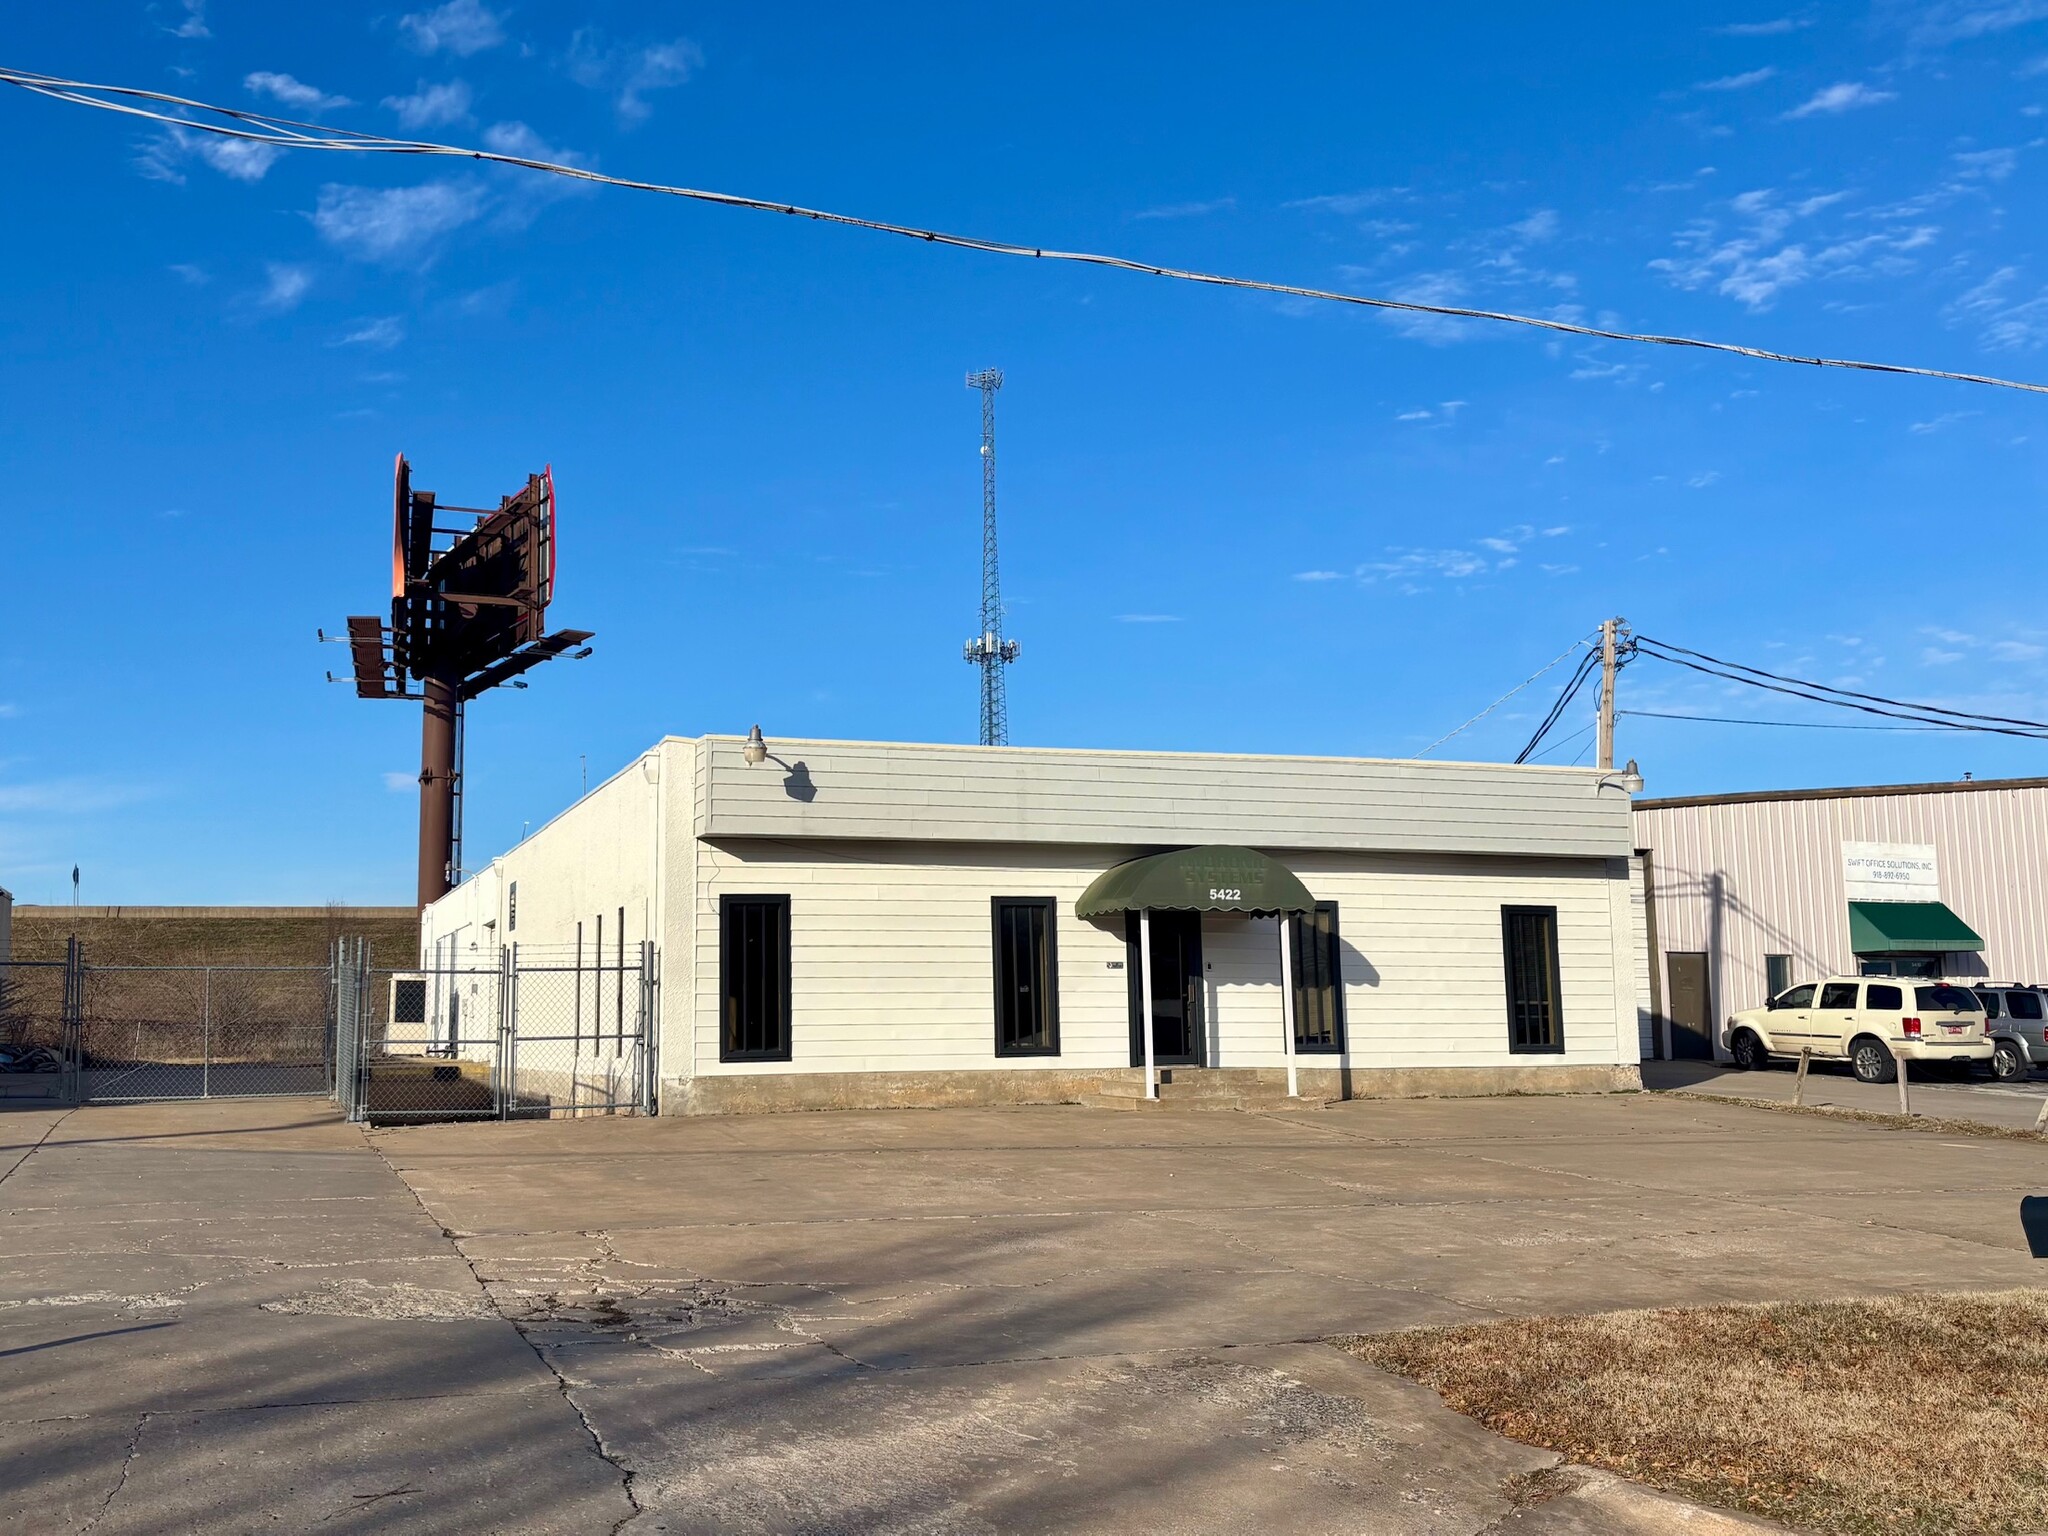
1890	872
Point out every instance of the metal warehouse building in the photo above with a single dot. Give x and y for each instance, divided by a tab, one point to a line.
1750	893
867	924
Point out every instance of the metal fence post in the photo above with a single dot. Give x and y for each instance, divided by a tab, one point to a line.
206	1033
508	1029
72	1048
650	1014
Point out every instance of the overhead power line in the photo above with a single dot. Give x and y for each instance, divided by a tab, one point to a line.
287	133
1496	704
1587	664
1800	725
1841	698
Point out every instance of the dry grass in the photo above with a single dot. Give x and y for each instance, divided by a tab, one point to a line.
258	937
1897	1416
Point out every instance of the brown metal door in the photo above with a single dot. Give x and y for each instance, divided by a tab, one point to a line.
1691	1010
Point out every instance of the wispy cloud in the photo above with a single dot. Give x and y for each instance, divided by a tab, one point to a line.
194	23
1706	478
292	92
1187	210
2006	320
1148	618
432	106
382	333
1987	164
1413	569
1758	261
630	72
1776	27
461	27
70	797
163	158
401	783
1348	203
1937	423
284	287
1956	21
1831	101
395	224
1741	82
196	277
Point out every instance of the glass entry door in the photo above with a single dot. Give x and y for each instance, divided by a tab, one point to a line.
1178	1036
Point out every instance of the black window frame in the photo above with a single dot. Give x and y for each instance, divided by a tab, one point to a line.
1050	982
1296	939
1777	974
1509	916
728	904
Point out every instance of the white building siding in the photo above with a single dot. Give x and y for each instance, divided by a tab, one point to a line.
891	966
1743	879
887	792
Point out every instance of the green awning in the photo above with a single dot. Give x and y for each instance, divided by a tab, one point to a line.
1215	878
1907	927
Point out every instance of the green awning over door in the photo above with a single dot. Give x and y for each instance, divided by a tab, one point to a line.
1908	927
1214	878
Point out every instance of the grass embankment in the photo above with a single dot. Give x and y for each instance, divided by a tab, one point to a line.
253	936
1917	1415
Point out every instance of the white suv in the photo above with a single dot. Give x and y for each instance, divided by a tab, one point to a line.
1870	1022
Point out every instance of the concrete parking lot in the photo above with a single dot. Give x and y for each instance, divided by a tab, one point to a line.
1948	1095
231	1317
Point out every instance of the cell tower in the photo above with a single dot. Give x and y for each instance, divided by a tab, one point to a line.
989	650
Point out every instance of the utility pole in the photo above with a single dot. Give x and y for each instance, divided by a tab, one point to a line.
1610	666
989	650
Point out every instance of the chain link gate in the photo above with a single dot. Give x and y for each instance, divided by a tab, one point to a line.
108	1034
514	1033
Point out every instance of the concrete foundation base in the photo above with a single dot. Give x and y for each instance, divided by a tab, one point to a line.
757	1093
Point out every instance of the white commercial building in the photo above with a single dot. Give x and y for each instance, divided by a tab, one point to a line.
867	924
1750	893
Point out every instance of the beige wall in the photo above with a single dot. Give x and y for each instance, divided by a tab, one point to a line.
1744	879
891	951
891	965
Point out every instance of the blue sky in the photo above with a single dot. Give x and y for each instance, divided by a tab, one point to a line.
1229	521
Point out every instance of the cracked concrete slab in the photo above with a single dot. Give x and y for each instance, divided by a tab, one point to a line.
233	1317
977	1320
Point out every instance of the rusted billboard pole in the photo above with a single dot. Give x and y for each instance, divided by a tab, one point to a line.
441	720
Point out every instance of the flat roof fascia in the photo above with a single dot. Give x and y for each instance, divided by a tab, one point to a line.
891	791
1857	792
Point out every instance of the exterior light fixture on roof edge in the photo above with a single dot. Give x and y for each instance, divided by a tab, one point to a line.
756	748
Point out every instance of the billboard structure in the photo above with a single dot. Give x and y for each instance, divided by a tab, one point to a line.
468	613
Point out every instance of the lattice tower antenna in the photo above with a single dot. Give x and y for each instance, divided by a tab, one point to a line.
989	650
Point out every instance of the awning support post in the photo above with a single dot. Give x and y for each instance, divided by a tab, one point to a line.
1145	1000
1287	1002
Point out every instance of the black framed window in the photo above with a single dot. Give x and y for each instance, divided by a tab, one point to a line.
1777	974
1027	976
1535	1002
753	956
1318	982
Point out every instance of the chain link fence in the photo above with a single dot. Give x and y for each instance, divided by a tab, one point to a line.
38	1030
520	1032
517	1033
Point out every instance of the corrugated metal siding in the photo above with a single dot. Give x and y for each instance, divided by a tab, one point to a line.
1740	881
980	794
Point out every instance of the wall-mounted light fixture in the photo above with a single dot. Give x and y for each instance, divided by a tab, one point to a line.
1630	779
756	748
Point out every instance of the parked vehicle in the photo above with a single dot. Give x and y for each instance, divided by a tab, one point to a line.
2016	1021
1872	1023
